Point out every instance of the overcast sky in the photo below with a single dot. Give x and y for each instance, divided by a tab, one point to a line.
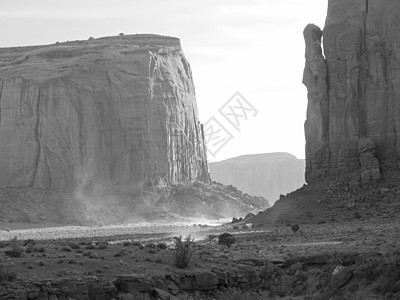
252	46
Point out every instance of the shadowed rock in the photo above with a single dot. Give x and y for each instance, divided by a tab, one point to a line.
354	91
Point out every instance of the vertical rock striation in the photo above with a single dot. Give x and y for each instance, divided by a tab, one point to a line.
116	111
353	89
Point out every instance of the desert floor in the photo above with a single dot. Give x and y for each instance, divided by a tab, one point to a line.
308	260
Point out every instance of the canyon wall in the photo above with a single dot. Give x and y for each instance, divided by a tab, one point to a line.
115	111
267	175
353	83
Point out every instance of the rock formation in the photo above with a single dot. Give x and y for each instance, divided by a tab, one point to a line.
369	164
268	175
116	111
353	89
105	131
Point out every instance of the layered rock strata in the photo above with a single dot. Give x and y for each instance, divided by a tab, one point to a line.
116	111
353	87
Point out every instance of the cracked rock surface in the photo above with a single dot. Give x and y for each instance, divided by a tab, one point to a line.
353	86
115	111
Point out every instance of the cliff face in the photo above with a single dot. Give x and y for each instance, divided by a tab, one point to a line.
353	85
116	111
268	175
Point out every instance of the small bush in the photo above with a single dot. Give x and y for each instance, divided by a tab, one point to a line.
226	239
16	250
102	246
6	275
121	253
74	245
184	251
162	246
66	249
39	249
152	251
159	260
390	273
151	245
29	242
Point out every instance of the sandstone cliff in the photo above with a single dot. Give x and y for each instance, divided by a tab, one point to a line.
105	130
353	85
268	175
116	111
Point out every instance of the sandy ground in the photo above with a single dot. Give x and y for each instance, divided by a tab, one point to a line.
109	251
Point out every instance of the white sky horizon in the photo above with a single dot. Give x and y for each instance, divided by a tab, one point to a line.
254	47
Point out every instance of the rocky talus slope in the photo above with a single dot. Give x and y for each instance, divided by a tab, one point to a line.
353	90
268	175
96	126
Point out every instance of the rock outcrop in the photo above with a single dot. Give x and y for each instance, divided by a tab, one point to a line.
115	111
105	131
268	175
353	89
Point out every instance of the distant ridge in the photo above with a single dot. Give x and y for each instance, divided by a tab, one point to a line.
263	174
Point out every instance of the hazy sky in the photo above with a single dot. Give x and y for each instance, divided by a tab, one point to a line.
252	46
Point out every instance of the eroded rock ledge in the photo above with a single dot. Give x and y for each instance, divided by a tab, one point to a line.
160	286
353	88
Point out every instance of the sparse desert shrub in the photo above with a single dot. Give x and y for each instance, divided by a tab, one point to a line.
29	242
90	247
121	253
16	250
40	263
151	245
390	273
162	246
126	243
74	245
371	268
102	246
226	239
39	249
29	249
6	274
295	228
66	249
184	251
88	253
152	251
276	281
159	260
